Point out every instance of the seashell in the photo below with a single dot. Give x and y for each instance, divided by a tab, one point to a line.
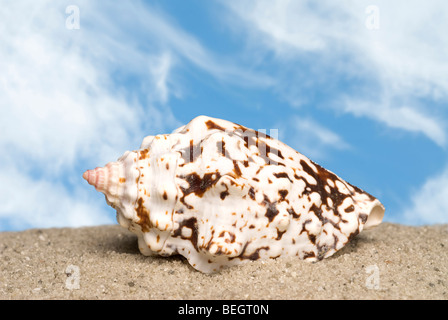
221	194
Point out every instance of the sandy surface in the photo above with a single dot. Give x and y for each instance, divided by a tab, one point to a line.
389	262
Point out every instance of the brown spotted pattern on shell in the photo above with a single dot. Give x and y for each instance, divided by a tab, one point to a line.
221	194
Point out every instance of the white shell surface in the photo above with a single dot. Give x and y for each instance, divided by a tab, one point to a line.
221	194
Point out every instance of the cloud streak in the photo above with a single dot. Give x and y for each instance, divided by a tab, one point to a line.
429	203
310	137
404	117
394	67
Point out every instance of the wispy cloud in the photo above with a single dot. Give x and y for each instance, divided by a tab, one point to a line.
387	70
404	117
429	203
311	138
58	109
29	202
163	31
160	73
71	99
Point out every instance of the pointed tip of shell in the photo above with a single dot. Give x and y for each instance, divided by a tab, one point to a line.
105	180
86	174
96	178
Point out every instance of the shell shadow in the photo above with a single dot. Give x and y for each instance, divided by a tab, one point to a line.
119	240
358	243
123	241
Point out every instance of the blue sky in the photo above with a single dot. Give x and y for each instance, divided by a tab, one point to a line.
360	87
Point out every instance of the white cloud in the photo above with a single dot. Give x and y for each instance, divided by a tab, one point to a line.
310	137
160	72
401	63
59	108
410	119
429	203
297	25
59	101
28	202
162	30
72	99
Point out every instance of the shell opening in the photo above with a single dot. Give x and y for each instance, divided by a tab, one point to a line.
376	215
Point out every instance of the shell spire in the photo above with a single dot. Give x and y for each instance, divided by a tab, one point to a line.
105	180
97	178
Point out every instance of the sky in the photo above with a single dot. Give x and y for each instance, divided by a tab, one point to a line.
360	87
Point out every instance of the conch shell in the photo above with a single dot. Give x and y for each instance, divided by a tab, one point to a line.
221	194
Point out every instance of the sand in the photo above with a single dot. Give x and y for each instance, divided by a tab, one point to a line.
389	262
